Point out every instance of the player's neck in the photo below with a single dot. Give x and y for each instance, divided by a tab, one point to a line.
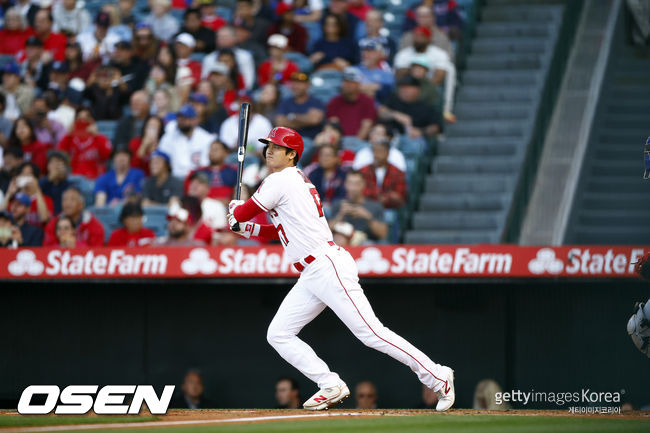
279	169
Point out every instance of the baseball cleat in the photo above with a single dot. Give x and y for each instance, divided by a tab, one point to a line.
446	394
327	397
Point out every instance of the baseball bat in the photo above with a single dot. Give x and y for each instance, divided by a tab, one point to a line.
242	139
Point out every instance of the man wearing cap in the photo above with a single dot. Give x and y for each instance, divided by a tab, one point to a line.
374	24
53	43
221	176
26	182
187	144
420	69
31	235
56	181
288	25
226	38
130	125
120	182
132	233
277	69
70	19
210	123
34	70
58	77
161	187
96	44
204	36
132	70
443	69
184	47
424	16
303	112
183	219
10	235
378	78
88	229
354	110
18	97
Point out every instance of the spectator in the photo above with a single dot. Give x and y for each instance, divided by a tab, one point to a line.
308	11
15	32
334	50
107	92
86	229
204	37
58	77
268	99
255	26
374	27
66	236
88	150
164	101
53	43
449	18
350	23
424	17
187	144
353	110
209	17
184	47
131	125
443	67
70	19
10	235
287	24
56	181
331	134
192	397
30	235
366	216
277	69
133	72
163	24
225	87
429	398
420	69
145	44
34	70
26	184
409	113
302	112
227	57
379	133
24	136
327	175
378	79
12	159
77	68
96	43
221	177
182	219
287	393
6	125
161	188
365	395
48	131
384	182
146	142
132	233
207	121
27	11
119	183
258	126
126	16
18	97
64	111
484	396
226	39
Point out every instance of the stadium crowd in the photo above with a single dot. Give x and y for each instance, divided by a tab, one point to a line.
118	121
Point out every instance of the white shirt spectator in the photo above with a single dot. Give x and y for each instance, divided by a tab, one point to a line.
88	42
438	59
74	21
186	153
364	158
259	126
163	27
244	61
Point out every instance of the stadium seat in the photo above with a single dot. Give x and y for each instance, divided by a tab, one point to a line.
353	143
109	216
6	59
155	218
107	128
301	60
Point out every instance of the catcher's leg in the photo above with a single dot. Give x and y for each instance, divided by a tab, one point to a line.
639	327
298	309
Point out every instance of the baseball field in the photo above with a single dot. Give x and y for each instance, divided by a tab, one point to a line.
341	421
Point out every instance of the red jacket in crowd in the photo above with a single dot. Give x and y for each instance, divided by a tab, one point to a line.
392	192
88	153
265	72
122	238
36	152
90	231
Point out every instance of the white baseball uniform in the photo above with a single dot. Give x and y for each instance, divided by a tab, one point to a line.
329	279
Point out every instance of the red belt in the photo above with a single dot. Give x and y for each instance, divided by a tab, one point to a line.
309	259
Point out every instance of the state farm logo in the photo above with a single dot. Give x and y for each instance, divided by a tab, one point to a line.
371	260
26	263
199	262
545	261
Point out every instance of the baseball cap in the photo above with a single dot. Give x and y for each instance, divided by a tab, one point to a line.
186	39
199	97
282	8
161	154
300	76
201	176
352	74
187	111
408	80
103	19
33	41
421	61
126	45
277	40
60	67
11	68
218	68
7	215
371	44
142	25
422	30
22	198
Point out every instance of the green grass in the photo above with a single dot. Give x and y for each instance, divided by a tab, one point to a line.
24	421
426	424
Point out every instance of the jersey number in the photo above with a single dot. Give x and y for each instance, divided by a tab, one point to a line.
282	235
316	197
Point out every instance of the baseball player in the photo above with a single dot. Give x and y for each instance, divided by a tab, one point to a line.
328	278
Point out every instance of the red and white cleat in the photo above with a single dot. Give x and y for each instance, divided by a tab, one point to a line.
327	397
446	394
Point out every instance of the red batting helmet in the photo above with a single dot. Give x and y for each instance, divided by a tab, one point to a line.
285	137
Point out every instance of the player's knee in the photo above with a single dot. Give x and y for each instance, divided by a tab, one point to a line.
275	335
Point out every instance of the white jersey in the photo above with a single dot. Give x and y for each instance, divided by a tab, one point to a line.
296	212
